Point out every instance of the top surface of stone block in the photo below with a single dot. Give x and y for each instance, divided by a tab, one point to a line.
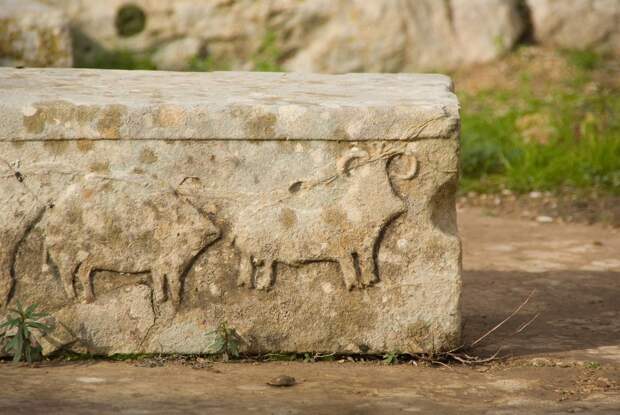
41	104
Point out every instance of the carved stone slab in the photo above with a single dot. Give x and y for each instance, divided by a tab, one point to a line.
313	213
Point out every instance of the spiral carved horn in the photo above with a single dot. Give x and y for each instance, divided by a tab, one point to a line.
354	153
411	171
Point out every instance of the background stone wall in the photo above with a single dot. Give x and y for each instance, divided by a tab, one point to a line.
33	34
333	36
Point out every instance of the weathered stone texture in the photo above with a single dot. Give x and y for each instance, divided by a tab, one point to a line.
577	24
312	213
82	104
33	34
177	54
331	36
405	35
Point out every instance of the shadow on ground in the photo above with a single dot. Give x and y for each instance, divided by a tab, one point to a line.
576	311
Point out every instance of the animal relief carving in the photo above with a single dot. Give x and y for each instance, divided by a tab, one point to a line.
339	219
125	226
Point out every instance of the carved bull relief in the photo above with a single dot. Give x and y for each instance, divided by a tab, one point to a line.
337	219
96	222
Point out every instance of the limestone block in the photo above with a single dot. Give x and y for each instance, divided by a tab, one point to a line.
310	212
33	34
577	24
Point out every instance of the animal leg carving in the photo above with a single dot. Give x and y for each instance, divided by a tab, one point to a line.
66	275
158	286
266	277
6	280
246	269
84	272
349	273
175	286
367	267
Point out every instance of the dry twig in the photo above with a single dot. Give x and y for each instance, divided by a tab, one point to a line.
501	323
526	324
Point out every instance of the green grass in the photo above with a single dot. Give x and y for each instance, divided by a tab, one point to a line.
268	56
207	64
568	136
114	59
583	59
265	59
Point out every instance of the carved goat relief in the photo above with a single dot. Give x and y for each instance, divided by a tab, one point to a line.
339	220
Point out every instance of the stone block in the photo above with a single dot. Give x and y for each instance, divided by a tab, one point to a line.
33	34
313	213
577	24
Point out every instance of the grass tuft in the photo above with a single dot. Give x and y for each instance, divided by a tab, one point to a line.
583	59
114	59
267	58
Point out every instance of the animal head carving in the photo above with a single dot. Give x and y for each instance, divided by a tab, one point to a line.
355	153
343	164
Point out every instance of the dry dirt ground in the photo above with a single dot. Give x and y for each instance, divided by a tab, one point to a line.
566	361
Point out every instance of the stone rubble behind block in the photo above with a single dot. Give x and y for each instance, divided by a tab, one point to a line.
329	36
577	24
34	34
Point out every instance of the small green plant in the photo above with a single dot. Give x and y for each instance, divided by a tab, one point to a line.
20	341
87	53
226	342
267	58
500	44
592	365
390	358
207	64
123	59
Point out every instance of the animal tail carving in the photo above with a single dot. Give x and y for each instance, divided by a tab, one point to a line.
12	239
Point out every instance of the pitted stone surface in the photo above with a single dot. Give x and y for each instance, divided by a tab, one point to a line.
87	104
342	240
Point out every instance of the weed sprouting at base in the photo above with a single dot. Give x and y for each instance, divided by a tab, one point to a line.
19	337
